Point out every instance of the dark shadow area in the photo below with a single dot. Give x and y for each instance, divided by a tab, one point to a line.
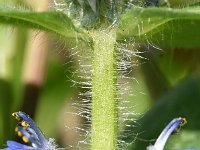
30	99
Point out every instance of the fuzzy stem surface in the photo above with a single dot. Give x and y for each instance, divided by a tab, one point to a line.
104	103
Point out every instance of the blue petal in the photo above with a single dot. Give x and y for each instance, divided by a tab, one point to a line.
12	145
24	117
169	129
191	149
30	135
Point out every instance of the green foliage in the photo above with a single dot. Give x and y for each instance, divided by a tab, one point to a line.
56	22
180	101
151	22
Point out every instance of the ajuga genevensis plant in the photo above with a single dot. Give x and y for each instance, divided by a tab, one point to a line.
106	37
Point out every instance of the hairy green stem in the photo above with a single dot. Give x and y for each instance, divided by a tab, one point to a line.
104	112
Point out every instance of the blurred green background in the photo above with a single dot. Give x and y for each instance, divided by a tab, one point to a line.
36	73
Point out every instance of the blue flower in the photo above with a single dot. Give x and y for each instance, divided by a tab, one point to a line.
30	134
173	126
191	149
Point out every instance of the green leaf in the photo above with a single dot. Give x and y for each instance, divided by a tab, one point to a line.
182	3
182	101
139	21
143	23
53	21
178	33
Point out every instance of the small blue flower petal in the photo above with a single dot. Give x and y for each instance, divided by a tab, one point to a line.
173	126
191	149
12	145
21	116
31	134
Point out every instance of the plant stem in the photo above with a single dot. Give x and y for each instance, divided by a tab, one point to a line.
104	112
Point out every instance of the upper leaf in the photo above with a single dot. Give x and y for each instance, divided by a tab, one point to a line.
138	22
56	22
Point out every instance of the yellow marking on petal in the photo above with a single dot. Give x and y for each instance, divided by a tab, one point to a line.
25	139
19	134
25	124
177	130
16	129
184	122
16	116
